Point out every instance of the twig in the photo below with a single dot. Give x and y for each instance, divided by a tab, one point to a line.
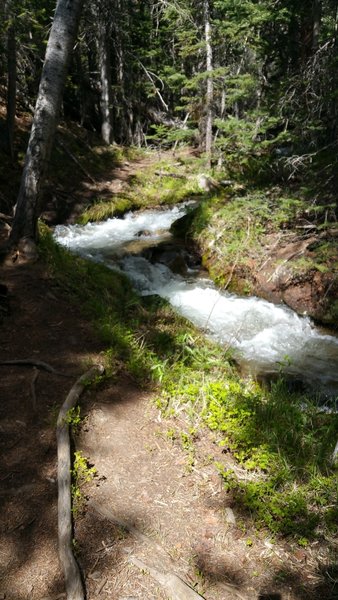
103	583
182	127
31	362
324	297
28	487
73	583
33	391
226	285
174	175
6	218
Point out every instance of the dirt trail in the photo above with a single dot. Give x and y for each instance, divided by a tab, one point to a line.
147	507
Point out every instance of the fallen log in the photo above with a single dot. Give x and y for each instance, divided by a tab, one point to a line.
173	175
73	582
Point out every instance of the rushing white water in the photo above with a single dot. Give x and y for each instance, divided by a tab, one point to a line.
99	240
266	336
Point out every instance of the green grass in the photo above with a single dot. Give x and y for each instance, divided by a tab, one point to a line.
278	436
152	186
234	230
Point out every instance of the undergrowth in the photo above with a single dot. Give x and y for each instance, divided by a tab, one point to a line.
164	182
82	473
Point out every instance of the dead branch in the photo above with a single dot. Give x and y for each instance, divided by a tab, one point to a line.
6	218
173	175
31	362
74	159
152	76
74	587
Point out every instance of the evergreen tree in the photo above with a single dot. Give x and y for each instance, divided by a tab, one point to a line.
46	115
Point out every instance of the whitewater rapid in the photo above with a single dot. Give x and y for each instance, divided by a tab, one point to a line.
266	337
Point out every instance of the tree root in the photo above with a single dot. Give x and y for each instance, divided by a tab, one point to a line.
31	362
163	572
172	584
33	390
73	582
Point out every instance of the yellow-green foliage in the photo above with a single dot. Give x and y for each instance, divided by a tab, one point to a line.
82	473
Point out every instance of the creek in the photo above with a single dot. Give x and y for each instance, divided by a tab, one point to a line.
265	337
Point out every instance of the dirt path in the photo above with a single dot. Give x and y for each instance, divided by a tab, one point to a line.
150	512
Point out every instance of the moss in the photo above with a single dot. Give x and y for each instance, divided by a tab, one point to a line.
105	209
330	316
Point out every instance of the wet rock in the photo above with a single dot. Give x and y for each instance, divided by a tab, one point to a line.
174	256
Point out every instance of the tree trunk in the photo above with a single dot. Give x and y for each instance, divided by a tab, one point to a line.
210	90
105	72
317	14
11	87
59	47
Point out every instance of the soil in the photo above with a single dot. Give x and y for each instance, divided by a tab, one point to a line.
307	291
148	512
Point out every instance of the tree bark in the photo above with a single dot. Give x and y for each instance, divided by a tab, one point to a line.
59	47
104	31
210	90
11	87
74	587
317	14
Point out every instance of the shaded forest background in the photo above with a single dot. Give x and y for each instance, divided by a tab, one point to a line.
253	84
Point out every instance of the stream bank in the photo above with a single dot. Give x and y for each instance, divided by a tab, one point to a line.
251	246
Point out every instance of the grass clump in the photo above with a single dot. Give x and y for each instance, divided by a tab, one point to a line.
103	209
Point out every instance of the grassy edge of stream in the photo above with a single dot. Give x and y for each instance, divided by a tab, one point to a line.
277	434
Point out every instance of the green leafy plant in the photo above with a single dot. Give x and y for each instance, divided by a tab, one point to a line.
73	418
82	473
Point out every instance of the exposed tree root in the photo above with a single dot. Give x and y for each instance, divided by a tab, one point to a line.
31	362
33	390
171	583
73	582
163	572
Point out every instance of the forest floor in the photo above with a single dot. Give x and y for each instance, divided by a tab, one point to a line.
148	512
